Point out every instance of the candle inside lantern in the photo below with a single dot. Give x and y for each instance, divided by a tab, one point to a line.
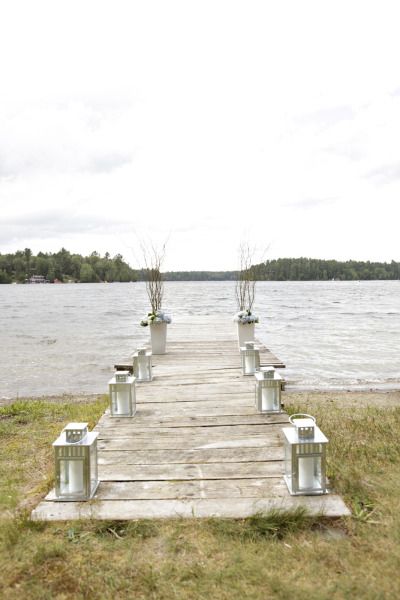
268	394
250	364
250	358
268	398
75	476
122	400
142	365
142	368
306	472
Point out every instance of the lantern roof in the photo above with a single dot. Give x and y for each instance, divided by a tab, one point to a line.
142	352
291	434
250	349
76	426
129	378
259	375
87	440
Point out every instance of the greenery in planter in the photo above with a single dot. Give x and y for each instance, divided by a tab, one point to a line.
153	318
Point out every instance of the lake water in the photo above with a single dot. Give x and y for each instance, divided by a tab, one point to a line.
331	335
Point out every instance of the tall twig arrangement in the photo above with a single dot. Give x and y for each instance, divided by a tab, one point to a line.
245	283
153	259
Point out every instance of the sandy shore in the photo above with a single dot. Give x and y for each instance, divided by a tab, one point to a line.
369	398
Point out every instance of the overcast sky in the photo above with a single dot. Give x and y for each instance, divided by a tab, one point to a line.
205	122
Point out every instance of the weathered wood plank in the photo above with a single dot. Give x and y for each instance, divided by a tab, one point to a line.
221	431
235	508
176	471
203	488
199	409
148	420
191	455
177	443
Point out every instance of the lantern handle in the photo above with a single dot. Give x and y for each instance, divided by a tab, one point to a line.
302	415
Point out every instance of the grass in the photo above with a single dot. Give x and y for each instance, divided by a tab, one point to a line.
275	555
27	430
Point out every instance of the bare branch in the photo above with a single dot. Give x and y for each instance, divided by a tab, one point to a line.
245	283
153	260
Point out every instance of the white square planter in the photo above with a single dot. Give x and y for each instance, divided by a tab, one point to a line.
245	333
158	334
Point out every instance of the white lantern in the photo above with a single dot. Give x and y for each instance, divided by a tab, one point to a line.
75	454
142	368
122	394
250	357
268	390
305	456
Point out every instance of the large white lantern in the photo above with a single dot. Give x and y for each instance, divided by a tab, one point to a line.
268	390
75	454
250	358
142	367
305	456
122	394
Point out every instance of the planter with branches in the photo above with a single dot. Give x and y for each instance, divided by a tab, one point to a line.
245	295
157	320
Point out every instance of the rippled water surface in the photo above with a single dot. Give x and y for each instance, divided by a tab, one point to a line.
65	338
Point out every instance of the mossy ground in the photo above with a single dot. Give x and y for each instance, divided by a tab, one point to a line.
268	556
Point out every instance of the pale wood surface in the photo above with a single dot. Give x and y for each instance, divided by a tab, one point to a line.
196	446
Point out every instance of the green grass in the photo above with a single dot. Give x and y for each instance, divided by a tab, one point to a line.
27	430
274	555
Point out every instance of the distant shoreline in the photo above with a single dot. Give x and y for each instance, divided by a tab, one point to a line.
64	267
204	281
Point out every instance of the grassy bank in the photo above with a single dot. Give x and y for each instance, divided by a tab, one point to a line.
274	555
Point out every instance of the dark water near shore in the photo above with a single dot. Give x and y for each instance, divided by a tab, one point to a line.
65	338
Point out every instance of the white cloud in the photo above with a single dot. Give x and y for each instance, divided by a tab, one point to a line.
200	122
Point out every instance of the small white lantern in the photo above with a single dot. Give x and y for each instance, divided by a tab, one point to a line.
268	390
122	394
305	456
250	357
75	454
142	368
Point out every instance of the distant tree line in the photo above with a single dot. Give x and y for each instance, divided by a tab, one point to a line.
299	269
199	276
64	266
313	269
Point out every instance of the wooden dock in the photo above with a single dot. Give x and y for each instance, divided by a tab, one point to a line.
196	447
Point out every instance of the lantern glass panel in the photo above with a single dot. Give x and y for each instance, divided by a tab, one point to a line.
76	467
308	466
250	358
122	396
142	366
93	467
305	462
269	398
72	476
268	392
